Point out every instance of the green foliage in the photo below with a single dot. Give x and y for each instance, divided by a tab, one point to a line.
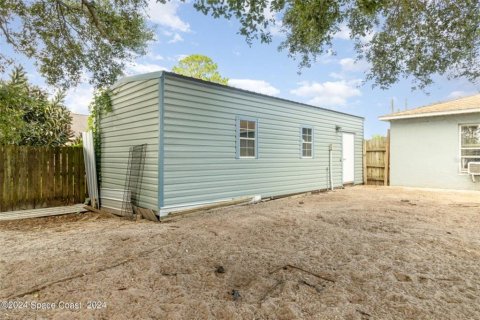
200	67
67	39
12	93
101	104
29	117
399	39
377	136
77	142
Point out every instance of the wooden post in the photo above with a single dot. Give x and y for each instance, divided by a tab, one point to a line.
2	178
21	166
64	194
14	186
387	160
42	175
51	175
365	174
73	173
57	173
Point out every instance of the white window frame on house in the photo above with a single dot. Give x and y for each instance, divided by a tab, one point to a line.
463	157
248	132
304	143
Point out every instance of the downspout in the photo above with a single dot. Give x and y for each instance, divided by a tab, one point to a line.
330	176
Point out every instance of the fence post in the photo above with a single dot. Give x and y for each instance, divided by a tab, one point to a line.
387	160
2	177
365	175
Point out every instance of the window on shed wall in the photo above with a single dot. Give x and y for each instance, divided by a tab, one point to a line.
469	145
307	142
247	138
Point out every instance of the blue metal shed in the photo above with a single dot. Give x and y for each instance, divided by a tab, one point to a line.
208	142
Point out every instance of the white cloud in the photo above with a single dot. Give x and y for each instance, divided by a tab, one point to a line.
259	86
78	99
176	38
276	29
350	65
166	15
179	57
327	58
343	33
139	68
459	94
337	75
154	56
329	93
276	25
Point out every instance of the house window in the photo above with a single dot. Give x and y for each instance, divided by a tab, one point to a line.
469	145
247	138
307	143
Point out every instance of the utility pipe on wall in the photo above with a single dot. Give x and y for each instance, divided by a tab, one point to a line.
330	149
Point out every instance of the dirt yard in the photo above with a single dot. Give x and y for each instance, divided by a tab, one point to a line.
358	253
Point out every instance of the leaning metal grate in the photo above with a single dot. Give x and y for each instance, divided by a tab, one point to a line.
133	178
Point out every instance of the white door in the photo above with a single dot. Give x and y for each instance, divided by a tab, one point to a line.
348	157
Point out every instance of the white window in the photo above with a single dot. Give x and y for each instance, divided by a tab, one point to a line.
307	143
469	145
247	138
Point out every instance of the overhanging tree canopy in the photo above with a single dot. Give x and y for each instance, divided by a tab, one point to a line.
67	38
415	38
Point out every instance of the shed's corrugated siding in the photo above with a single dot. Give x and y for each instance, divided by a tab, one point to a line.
200	144
134	120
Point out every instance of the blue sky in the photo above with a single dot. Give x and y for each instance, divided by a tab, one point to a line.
332	82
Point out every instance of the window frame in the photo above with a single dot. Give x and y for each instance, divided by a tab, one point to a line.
460	148
312	143
237	151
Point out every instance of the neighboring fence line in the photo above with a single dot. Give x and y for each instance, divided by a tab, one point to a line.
38	177
376	161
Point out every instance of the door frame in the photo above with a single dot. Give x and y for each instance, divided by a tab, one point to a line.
353	154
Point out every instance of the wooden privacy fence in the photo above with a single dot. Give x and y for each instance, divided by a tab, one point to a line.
36	177
376	161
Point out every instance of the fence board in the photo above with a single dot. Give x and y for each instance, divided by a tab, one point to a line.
2	177
57	169
376	160
34	177
13	184
22	179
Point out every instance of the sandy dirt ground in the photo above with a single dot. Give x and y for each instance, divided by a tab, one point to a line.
358	253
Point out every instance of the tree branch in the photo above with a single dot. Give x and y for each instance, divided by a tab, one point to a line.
96	21
4	29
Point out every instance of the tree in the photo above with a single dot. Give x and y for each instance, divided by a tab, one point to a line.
67	39
415	38
29	117
11	122
200	67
